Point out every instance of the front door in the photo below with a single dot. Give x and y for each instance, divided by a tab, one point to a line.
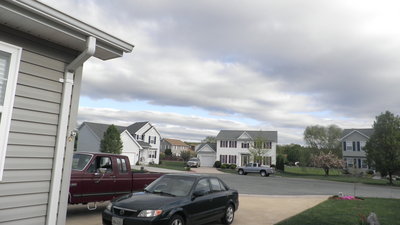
245	158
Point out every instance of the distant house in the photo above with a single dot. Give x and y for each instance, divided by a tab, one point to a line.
353	143
233	146
176	146
42	52
206	152
141	140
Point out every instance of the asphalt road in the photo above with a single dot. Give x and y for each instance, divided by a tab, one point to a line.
273	185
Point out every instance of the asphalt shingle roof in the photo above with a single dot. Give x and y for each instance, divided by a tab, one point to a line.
135	127
175	142
235	134
213	146
99	129
366	131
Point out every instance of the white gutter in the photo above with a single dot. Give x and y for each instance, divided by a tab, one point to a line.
54	196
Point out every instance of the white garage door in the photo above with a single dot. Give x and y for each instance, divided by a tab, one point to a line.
206	160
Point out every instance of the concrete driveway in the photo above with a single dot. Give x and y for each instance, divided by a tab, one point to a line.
253	210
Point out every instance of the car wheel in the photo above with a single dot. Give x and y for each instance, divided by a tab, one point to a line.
240	172
176	220
263	173
229	215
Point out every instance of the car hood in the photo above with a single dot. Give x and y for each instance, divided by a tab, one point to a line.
143	200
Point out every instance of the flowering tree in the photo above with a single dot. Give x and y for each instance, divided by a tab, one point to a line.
326	161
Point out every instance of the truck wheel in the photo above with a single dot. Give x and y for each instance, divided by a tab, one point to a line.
263	173
240	172
176	220
229	215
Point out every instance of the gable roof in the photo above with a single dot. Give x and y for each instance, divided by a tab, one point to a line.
175	142
213	146
235	134
367	132
45	22
99	129
133	128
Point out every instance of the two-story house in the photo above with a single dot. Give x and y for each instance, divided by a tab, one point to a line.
353	142
176	146
141	140
233	146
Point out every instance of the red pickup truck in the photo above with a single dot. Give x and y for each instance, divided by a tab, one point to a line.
99	177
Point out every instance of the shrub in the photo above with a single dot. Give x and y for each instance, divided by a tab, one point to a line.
217	164
280	163
225	166
168	152
233	166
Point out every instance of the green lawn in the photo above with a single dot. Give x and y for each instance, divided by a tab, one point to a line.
172	165
334	175
348	212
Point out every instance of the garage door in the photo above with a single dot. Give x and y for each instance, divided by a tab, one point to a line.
207	160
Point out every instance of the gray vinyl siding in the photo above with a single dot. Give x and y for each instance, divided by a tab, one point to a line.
87	140
26	183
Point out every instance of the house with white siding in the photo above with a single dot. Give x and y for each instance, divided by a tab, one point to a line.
176	146
206	152
141	140
353	143
42	52
233	146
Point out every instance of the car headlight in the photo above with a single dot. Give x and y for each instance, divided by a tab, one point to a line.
149	213
109	206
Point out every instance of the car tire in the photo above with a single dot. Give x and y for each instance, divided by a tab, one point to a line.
241	172
176	220
263	173
229	215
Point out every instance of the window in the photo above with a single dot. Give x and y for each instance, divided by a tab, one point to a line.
152	154
267	145
9	65
215	185
232	159
100	162
203	186
349	145
223	158
122	165
223	144
358	146
354	145
266	160
245	145
232	144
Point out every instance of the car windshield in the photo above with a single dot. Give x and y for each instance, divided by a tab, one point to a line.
80	161
194	159
171	185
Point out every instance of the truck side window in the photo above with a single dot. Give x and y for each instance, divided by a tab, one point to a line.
101	162
122	165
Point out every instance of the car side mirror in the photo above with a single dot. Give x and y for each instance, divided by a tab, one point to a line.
199	193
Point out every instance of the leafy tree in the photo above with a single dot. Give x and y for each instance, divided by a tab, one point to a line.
185	155
326	139
326	161
258	148
111	142
168	152
209	139
383	147
295	153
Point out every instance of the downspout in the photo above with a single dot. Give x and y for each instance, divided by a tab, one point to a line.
62	137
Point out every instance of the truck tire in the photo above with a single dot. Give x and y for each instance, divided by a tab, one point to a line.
241	172
263	173
176	220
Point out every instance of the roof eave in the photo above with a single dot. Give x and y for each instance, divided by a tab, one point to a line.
53	21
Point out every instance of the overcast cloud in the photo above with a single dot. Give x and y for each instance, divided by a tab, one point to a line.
283	65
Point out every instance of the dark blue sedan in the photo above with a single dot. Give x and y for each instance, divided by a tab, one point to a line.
179	199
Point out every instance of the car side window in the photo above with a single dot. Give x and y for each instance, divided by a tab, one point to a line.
215	185
121	165
203	185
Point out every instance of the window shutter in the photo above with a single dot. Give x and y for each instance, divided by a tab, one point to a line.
344	146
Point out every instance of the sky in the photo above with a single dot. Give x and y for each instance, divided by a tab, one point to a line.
199	67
